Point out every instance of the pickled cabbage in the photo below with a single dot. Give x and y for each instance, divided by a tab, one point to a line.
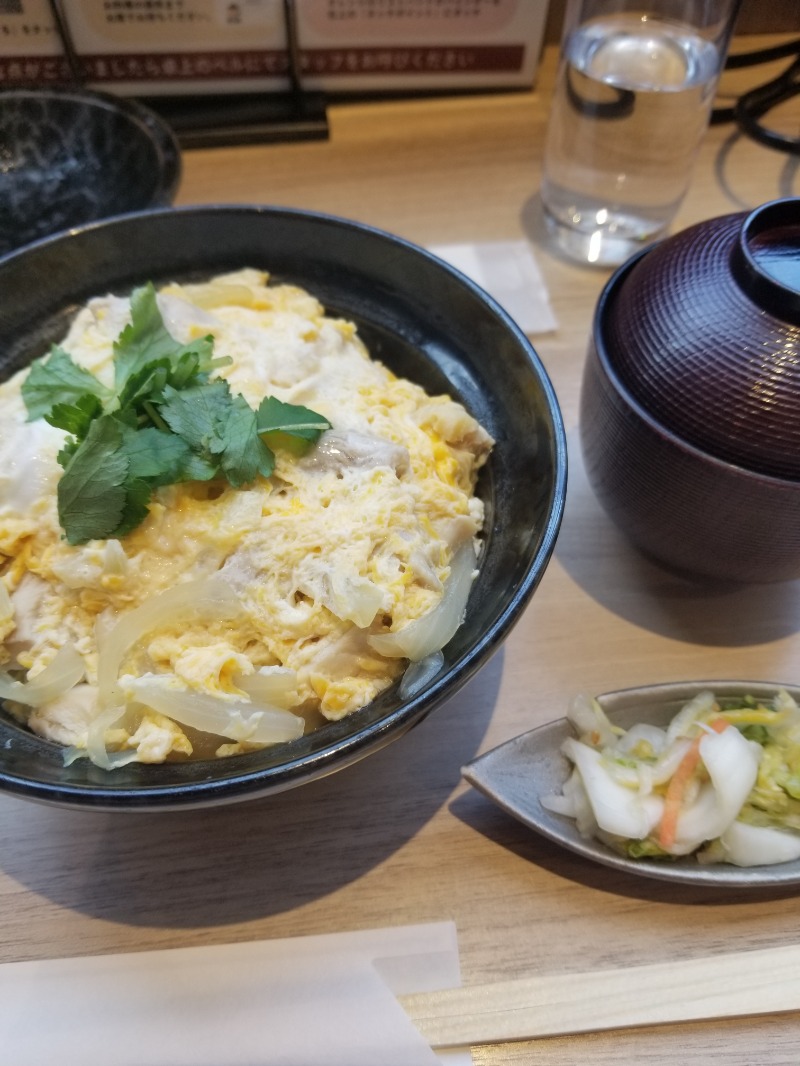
720	782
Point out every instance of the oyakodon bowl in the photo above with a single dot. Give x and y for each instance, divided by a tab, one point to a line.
690	404
71	156
424	320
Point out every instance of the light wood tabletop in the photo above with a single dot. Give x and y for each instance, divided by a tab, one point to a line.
399	838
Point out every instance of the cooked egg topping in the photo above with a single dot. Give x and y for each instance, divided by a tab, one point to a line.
258	607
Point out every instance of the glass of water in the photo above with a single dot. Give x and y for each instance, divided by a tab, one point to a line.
635	88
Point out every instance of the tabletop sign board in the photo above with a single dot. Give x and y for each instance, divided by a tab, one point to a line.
185	47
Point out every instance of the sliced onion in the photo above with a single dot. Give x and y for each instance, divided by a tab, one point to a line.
95	749
205	599
62	674
428	634
354	599
235	719
96	741
276	685
212	294
350	597
419	674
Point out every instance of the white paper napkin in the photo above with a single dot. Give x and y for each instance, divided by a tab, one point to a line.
508	271
295	1002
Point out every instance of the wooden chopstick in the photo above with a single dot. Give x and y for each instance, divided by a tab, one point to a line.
722	986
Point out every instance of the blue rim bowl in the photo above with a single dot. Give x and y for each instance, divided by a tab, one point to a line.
421	317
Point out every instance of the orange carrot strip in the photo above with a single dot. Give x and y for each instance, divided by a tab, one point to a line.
678	783
674	794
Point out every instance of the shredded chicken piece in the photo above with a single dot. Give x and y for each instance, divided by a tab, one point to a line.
339	451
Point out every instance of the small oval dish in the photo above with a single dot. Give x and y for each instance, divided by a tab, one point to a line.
517	774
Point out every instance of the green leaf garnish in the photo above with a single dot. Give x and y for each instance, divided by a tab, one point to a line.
92	492
274	415
165	421
58	380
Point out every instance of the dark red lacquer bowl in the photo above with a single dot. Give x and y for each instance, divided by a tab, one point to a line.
690	406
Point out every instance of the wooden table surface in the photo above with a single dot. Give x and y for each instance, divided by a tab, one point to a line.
399	838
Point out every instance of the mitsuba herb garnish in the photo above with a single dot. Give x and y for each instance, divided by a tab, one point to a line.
165	421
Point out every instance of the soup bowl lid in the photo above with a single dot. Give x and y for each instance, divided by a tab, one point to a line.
704	333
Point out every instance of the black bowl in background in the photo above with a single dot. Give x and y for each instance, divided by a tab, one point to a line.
71	156
421	317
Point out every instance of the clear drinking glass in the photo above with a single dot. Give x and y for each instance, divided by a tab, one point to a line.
632	101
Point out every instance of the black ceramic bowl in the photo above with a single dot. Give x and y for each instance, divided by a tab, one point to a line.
68	157
427	322
690	406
